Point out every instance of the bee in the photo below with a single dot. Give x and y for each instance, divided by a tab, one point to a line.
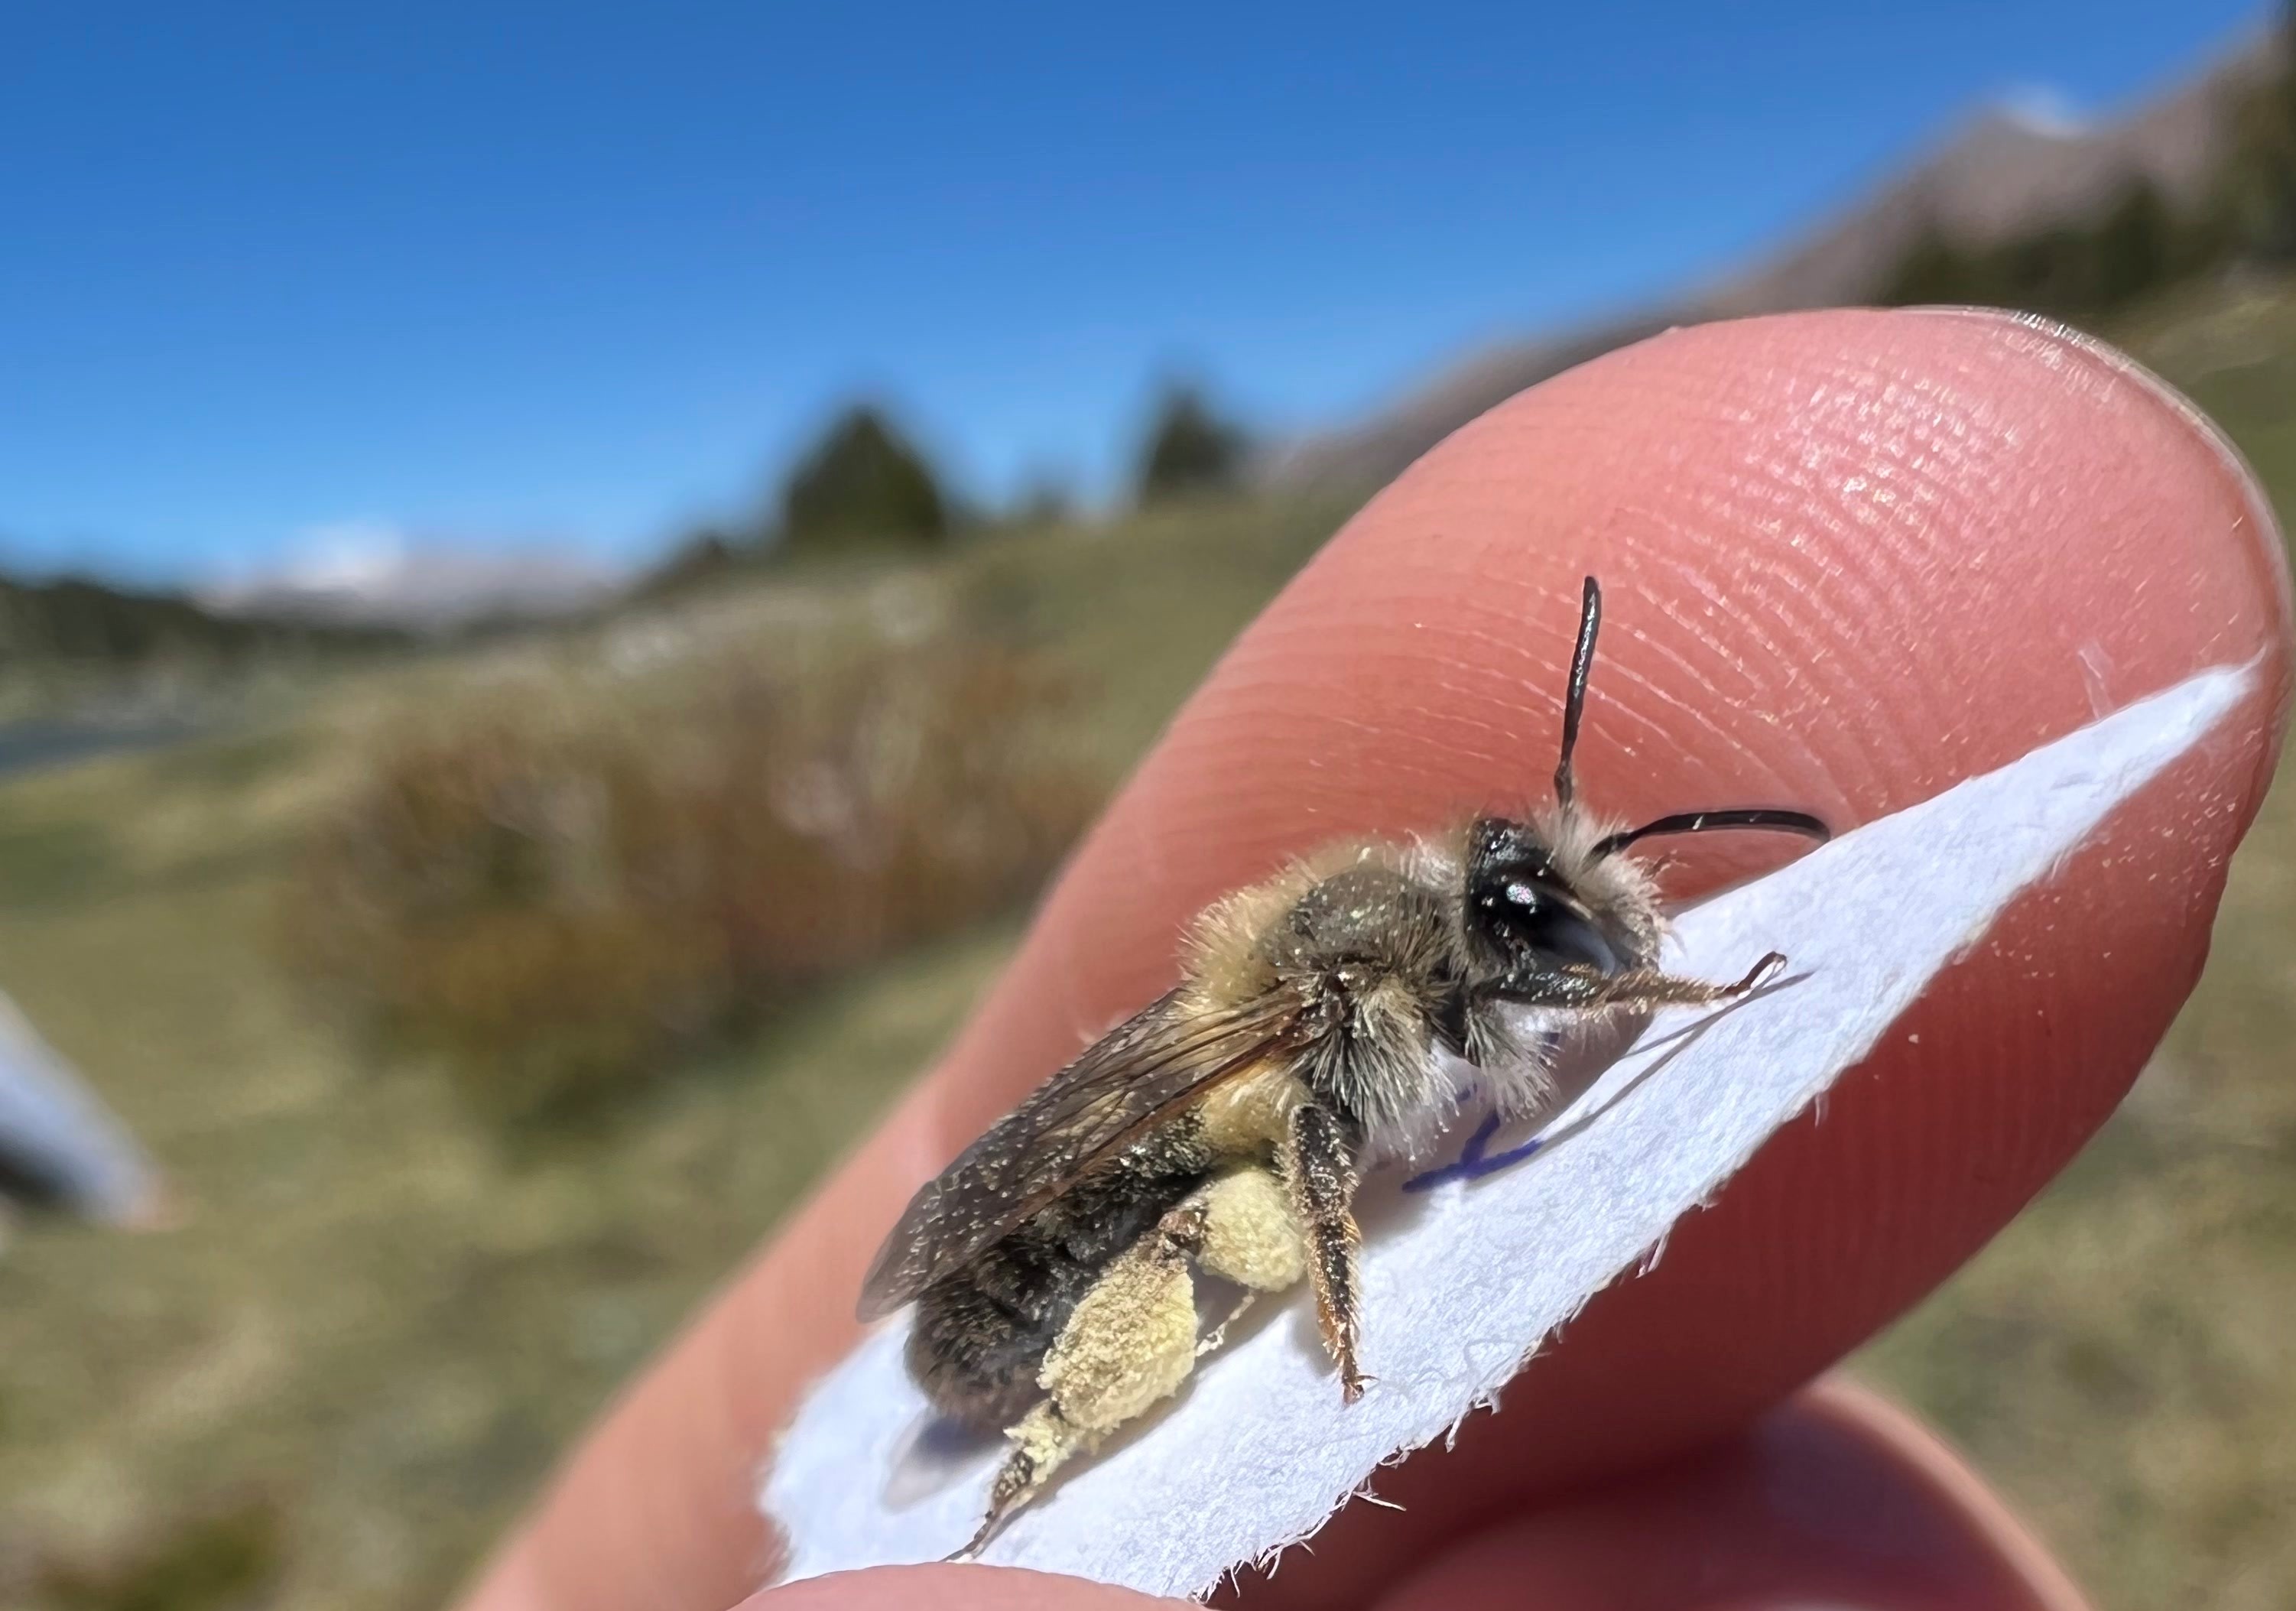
1225	1126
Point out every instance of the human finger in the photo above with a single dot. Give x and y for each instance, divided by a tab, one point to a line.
1852	558
1833	1499
966	1588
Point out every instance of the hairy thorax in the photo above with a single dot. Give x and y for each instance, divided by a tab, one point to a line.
1368	941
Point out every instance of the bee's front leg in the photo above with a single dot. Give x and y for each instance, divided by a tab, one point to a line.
1586	990
1319	1163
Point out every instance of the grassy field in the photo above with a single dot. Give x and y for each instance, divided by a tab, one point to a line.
384	1315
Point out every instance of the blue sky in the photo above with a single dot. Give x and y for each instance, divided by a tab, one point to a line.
506	276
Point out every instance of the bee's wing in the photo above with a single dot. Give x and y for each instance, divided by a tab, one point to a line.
1147	1068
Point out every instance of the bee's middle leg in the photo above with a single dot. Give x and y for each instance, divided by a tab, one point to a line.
1319	1171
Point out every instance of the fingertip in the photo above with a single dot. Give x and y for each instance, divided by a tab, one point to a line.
2253	538
950	1587
1850	558
1832	1500
507	1582
1893	1440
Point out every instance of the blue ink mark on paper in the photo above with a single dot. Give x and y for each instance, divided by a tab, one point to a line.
1472	1162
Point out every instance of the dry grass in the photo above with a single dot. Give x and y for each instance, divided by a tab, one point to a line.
563	892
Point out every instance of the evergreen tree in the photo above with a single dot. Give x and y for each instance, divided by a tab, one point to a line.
2134	249
2254	202
1189	449
864	481
1934	272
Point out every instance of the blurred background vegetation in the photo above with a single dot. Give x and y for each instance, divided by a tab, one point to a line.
488	993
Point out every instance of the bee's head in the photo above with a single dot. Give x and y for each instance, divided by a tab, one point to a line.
1525	910
1558	892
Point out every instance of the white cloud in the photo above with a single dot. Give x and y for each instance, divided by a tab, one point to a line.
345	555
2045	109
375	571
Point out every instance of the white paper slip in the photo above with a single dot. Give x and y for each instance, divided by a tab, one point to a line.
1467	1280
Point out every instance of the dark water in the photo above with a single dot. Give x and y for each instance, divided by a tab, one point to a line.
26	746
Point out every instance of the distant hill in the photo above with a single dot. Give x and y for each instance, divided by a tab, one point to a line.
2002	173
72	619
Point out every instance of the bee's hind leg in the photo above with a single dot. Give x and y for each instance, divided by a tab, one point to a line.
1129	1342
1042	1443
1251	1234
1251	1237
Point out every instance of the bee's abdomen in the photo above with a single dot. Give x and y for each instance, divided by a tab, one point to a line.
981	1333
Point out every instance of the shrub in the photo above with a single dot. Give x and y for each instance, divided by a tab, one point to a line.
560	898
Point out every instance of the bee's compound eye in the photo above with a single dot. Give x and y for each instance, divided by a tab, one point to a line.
1528	915
1572	938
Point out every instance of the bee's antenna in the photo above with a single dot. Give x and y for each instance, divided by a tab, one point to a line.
1574	698
1702	822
